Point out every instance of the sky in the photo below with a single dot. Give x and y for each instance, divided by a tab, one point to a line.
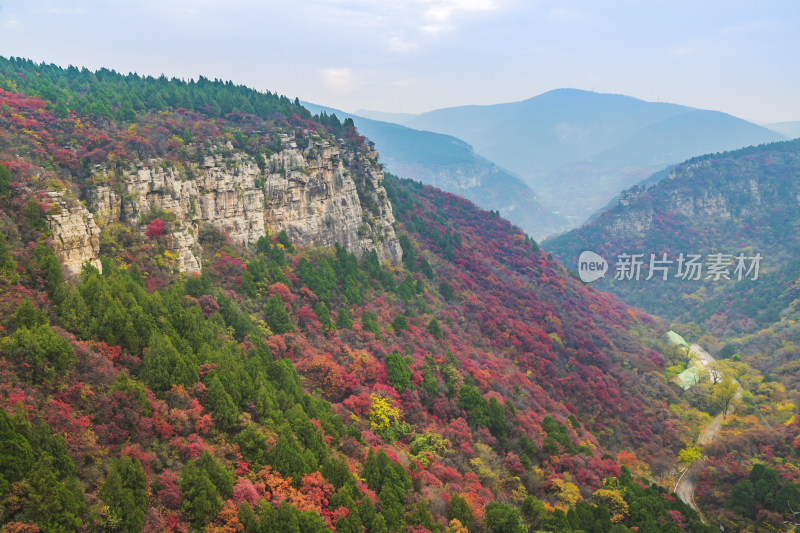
415	55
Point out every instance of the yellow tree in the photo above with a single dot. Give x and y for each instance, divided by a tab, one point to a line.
689	455
456	527
385	419
724	393
613	501
567	493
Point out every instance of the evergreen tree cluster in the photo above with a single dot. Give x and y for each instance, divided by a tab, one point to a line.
121	97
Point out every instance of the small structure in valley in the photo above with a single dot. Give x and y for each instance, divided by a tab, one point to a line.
674	338
688	378
692	375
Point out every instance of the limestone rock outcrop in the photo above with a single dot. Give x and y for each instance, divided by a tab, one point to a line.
318	194
76	236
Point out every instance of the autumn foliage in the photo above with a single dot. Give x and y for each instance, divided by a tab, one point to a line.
287	389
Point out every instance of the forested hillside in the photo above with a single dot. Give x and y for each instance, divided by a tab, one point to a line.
742	203
472	386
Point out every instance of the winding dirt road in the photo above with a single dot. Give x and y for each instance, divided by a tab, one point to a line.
685	485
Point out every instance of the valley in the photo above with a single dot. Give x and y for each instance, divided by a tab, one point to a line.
731	203
220	313
577	150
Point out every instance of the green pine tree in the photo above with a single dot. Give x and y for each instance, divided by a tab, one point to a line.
248	284
53	504
276	315
392	509
5	180
201	500
8	267
460	510
434	329
398	371
47	264
125	493
28	316
160	359
16	455
287	458
400	323
343	320
221	404
324	316
218	475
34	217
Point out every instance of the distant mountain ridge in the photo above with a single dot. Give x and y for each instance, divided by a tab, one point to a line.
578	149
451	164
791	129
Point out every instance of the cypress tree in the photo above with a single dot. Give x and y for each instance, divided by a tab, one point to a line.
742	498
218	475
125	493
16	455
434	329
34	217
392	509
221	403
398	372
201	500
460	510
8	267
277	317
53	504
46	261
5	180
248	284
400	323
324	316
28	316
343	320
286	456
160	360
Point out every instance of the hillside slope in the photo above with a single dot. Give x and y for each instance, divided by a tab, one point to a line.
743	202
292	387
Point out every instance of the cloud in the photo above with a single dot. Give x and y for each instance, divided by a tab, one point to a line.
401	83
62	11
403	25
339	79
397	43
439	14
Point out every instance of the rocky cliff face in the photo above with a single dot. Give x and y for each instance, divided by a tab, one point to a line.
689	192
317	194
321	196
76	237
726	202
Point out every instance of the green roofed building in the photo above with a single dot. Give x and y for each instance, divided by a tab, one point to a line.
674	338
688	378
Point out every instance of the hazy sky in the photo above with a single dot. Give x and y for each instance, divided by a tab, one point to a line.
393	55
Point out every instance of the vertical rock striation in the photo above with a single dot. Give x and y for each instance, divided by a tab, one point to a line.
318	194
76	237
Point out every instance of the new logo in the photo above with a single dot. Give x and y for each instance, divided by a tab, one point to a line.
591	267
